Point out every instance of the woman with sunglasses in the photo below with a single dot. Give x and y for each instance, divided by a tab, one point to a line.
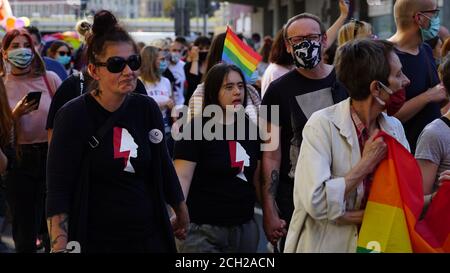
78	83
61	52
120	203
24	72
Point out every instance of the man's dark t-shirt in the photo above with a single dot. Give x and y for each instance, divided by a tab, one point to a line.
221	193
297	97
421	71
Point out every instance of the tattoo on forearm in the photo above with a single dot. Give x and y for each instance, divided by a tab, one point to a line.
275	181
274	186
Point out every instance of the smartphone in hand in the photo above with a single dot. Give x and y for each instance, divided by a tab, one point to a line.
34	98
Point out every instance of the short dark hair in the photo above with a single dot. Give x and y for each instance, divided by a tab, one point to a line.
256	37
278	53
445	72
181	40
359	62
34	31
214	79
303	16
202	41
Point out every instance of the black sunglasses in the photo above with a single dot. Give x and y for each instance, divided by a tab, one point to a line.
117	64
64	53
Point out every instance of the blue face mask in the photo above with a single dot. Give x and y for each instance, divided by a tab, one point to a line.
64	60
163	66
20	57
433	30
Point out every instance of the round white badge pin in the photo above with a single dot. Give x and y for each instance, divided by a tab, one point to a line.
155	136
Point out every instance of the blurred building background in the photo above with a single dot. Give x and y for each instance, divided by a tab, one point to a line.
268	16
184	17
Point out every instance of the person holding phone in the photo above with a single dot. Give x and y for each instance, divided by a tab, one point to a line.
33	98
24	72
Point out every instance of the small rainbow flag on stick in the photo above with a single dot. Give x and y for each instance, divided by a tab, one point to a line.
238	53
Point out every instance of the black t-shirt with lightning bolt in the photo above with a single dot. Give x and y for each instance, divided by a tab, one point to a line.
123	204
222	190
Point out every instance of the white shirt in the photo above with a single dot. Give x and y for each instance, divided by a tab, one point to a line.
180	77
273	72
161	92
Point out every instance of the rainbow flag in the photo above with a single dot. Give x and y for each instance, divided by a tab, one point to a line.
238	53
391	220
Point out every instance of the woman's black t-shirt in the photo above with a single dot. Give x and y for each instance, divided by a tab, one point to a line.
120	206
118	193
222	190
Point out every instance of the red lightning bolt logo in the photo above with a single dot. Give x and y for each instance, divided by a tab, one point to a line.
239	158
124	147
117	143
234	163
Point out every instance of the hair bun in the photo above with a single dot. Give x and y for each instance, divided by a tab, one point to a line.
104	21
83	27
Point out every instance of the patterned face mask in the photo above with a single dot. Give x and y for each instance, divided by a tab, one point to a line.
20	57
307	54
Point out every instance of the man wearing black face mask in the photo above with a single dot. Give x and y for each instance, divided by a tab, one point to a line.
299	93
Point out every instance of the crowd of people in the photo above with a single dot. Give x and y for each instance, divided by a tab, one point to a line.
90	147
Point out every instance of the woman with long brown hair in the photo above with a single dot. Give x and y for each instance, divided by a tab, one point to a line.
29	88
158	87
6	131
7	154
